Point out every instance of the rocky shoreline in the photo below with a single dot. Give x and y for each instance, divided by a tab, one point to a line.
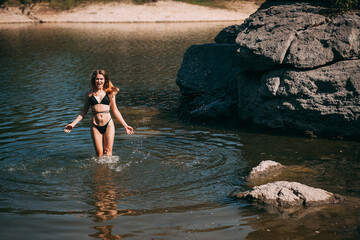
288	67
121	12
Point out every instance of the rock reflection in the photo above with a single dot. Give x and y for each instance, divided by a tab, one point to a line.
324	222
291	173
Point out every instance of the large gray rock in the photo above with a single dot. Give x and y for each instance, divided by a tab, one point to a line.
299	35
322	101
268	33
287	194
208	80
320	45
297	68
229	34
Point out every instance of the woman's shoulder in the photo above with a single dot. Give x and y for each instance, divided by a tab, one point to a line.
110	94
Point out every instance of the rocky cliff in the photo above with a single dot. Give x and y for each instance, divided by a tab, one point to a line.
291	66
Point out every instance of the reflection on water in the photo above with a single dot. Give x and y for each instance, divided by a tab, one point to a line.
107	196
171	180
312	224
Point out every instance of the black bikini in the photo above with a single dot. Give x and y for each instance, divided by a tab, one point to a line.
93	101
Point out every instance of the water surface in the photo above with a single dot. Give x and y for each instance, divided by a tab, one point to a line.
172	179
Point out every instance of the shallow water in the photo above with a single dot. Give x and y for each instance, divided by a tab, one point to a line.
172	179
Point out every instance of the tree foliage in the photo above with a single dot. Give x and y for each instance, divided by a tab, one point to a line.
342	5
345	4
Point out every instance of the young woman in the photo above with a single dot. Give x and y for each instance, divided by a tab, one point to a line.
101	98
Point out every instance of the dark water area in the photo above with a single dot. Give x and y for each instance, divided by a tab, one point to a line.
172	179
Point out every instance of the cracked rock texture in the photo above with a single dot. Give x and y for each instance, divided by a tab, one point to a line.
297	35
287	194
268	34
296	67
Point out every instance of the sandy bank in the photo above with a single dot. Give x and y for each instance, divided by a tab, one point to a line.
161	11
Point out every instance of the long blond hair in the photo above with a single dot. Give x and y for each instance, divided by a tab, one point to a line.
109	88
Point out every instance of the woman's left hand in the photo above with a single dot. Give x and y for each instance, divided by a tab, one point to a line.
129	130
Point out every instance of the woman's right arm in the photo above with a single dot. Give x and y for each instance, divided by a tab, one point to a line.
81	115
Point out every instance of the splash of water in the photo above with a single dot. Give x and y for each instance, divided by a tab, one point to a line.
107	159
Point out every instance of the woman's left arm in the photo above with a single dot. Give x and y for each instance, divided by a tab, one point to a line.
118	116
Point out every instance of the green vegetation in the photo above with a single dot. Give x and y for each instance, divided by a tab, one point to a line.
346	4
217	3
64	4
342	5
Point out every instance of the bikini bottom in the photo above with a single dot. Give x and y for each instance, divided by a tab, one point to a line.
102	129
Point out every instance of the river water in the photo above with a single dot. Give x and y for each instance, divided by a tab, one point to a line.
173	178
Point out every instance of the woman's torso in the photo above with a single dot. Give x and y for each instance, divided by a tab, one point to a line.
100	106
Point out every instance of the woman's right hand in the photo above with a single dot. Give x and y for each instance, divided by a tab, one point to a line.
68	128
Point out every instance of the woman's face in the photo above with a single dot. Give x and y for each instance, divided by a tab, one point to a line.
99	81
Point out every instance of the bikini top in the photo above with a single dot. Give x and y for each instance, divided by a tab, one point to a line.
93	101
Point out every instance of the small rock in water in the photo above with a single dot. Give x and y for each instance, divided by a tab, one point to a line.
287	194
264	168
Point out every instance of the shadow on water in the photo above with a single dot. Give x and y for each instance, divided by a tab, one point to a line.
172	179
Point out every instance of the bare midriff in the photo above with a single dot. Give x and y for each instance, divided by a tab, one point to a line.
100	114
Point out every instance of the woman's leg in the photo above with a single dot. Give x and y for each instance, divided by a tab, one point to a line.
108	138
97	138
